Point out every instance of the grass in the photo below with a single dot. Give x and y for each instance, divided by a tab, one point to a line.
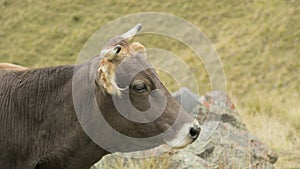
258	42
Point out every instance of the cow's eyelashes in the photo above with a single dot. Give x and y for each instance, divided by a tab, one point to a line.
140	88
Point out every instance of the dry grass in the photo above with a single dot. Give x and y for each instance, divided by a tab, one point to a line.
275	125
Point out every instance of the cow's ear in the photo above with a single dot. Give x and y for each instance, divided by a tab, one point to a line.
106	70
111	53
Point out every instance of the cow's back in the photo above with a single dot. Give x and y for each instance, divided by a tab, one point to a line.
8	67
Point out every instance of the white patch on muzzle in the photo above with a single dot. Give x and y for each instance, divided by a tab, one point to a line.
183	137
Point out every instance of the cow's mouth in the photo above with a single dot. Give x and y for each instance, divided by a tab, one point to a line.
185	136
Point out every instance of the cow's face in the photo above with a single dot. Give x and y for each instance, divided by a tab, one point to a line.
134	101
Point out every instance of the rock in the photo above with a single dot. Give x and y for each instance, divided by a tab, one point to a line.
118	160
187	99
230	147
224	142
214	105
187	160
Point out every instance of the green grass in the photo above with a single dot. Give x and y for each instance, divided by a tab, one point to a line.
258	42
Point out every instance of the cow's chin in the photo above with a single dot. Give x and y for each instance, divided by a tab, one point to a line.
182	139
180	143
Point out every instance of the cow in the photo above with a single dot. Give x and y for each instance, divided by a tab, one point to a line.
41	122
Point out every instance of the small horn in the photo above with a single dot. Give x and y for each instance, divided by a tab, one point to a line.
132	32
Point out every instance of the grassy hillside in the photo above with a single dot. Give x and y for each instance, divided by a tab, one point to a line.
258	42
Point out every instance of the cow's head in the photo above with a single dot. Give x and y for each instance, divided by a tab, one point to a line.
134	101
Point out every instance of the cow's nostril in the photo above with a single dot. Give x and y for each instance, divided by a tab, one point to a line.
194	132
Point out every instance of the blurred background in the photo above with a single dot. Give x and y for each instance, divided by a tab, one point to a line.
258	42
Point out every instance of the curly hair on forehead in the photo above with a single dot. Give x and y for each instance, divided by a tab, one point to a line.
111	59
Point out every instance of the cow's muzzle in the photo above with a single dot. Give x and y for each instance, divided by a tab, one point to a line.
186	135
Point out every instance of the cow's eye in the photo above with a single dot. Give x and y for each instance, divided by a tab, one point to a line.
140	88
